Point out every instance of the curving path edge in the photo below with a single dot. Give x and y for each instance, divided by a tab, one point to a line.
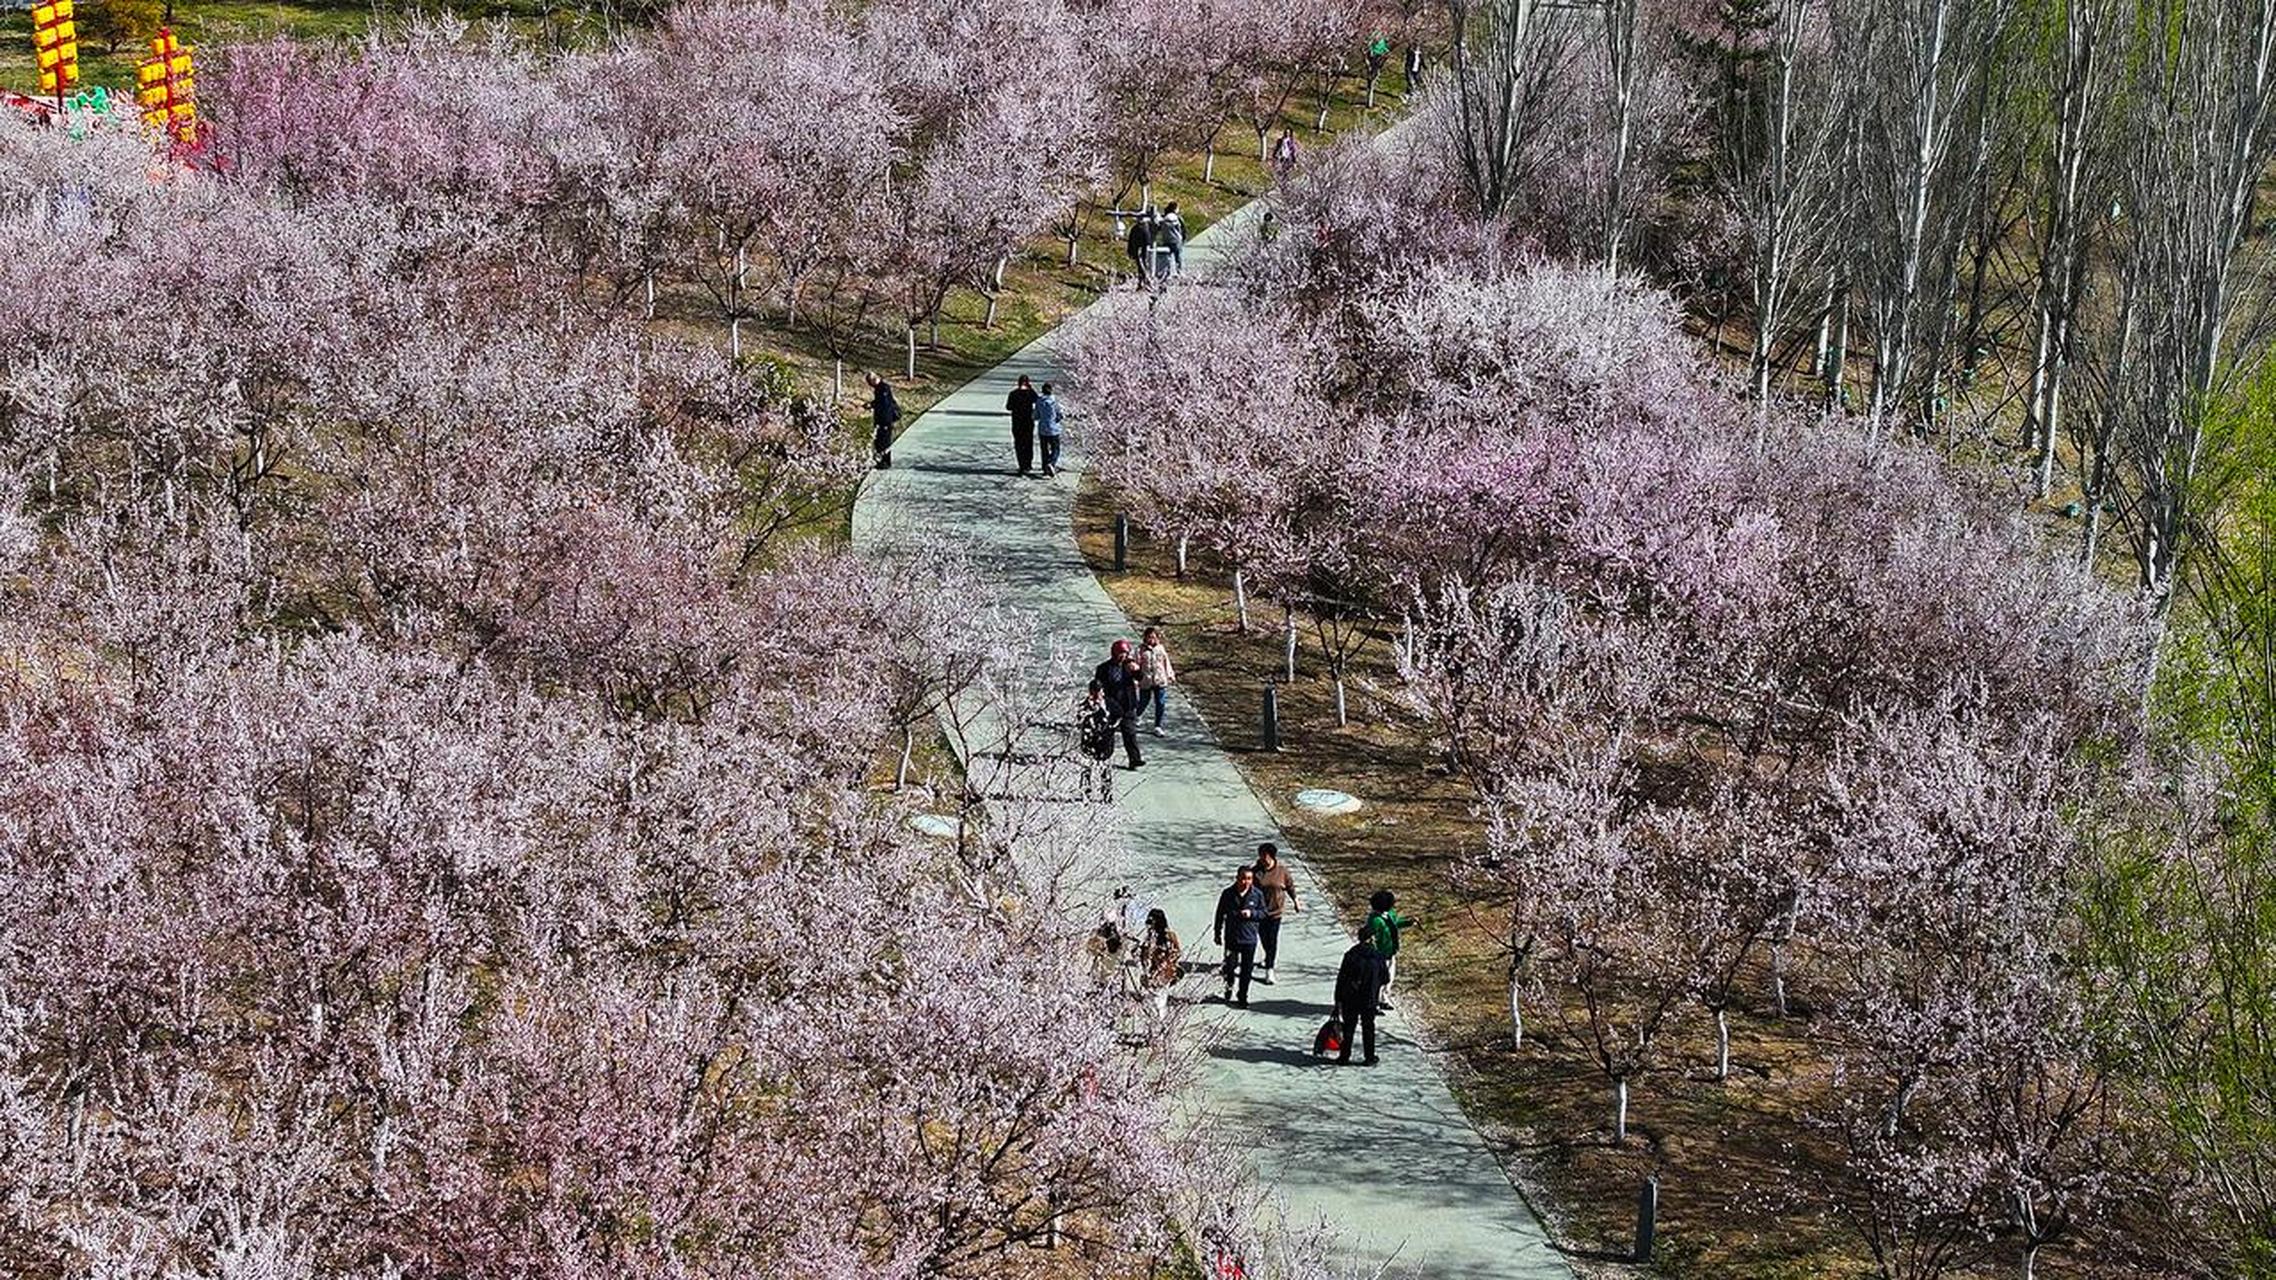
1383	1155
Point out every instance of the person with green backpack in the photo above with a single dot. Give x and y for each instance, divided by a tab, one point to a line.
1384	924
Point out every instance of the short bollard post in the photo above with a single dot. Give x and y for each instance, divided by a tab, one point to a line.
1271	717
1647	1215
1121	542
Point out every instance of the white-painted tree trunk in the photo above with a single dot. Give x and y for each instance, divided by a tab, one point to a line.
1516	1009
1241	599
1620	1112
910	332
838	380
1343	718
1289	627
1181	554
1722	1045
908	756
1209	162
648	283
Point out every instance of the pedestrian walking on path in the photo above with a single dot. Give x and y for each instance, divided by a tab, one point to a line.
1094	735
1158	960
1047	429
1155	675
1021	405
1240	913
1169	234
1279	899
1359	986
1384	924
1117	677
1141	247
884	415
1284	155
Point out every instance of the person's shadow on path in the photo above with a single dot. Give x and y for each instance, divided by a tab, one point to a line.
1276	1055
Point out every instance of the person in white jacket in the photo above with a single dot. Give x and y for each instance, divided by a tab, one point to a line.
1155	675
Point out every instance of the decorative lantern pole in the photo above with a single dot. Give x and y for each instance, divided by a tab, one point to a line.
166	88
55	45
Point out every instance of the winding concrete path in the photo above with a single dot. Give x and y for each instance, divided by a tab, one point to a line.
1385	1154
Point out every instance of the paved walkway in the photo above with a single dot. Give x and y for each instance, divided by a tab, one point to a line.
1384	1154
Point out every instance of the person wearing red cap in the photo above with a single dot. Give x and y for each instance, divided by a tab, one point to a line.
1118	677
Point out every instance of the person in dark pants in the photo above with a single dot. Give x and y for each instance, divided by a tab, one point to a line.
1118	676
1359	984
1047	429
1279	899
1021	404
884	414
1140	245
1239	909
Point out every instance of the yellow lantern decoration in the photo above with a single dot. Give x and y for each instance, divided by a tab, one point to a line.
55	46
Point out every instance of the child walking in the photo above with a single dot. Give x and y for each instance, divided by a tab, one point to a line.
1155	676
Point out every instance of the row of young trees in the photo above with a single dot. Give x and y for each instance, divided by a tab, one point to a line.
814	167
436	831
1766	710
2026	227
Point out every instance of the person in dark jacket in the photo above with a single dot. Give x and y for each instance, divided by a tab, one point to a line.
1141	247
1118	676
1239	908
1021	405
1359	984
885	414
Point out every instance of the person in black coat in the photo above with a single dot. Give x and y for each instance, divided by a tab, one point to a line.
1118	676
884	414
1141	247
1021	405
1239	908
1359	984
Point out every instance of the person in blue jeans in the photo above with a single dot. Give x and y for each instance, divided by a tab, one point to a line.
1155	676
1239	909
1047	429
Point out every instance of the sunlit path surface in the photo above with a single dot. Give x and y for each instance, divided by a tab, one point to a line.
1385	1153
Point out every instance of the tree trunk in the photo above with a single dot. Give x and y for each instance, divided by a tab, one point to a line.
1343	720
1181	554
1073	241
908	756
1288	617
1620	1112
1516	1009
648	283
1241	600
1722	1045
909	331
1263	151
1209	162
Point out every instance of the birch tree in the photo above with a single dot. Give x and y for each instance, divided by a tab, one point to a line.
1505	59
1922	65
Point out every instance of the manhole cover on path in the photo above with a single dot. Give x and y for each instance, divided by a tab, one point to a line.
938	825
1325	800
